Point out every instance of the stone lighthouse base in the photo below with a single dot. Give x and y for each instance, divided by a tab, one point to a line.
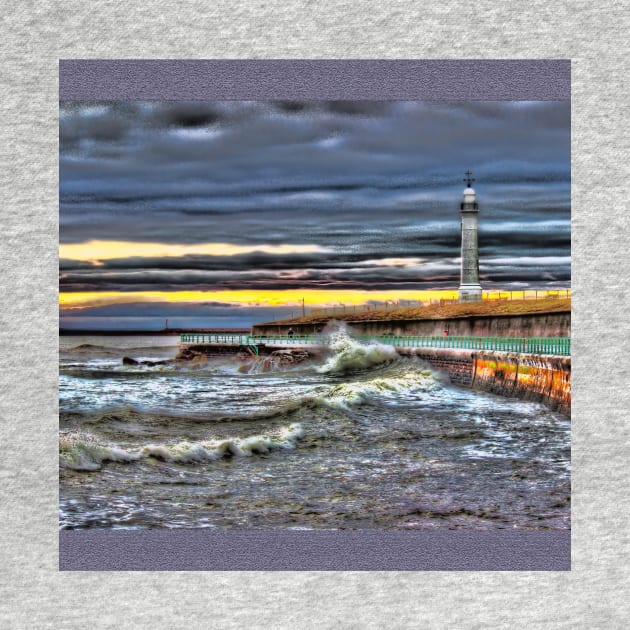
470	293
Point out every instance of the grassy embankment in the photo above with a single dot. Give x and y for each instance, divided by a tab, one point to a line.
487	308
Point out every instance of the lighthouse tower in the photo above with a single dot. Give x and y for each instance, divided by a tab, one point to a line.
469	289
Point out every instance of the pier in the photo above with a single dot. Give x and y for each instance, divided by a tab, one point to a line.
530	368
555	346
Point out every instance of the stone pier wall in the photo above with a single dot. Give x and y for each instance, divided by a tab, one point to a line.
540	378
534	325
458	364
543	379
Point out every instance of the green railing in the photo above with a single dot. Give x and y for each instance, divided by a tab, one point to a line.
251	340
525	345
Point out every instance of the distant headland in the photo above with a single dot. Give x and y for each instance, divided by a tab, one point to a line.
147	331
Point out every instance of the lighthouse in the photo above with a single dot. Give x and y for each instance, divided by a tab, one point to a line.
469	289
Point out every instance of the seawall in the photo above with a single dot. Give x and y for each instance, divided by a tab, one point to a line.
545	379
532	325
458	364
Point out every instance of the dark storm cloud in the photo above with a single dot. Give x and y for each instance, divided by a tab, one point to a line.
365	180
294	272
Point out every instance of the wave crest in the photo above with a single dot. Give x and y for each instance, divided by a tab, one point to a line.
350	355
80	451
350	394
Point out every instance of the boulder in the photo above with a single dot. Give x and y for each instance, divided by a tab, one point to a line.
130	361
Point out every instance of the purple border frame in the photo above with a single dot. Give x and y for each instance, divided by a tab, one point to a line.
276	79
282	550
358	550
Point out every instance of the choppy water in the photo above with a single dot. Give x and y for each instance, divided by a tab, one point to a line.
360	439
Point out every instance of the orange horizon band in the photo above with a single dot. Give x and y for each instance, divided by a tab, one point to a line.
260	298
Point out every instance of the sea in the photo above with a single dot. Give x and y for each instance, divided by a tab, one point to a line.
360	438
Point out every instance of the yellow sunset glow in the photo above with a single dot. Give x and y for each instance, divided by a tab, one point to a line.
289	297
94	251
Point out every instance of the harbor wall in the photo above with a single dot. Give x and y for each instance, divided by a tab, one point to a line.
544	379
458	364
534	325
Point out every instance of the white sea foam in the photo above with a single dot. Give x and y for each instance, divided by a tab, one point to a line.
351	355
187	452
349	394
80	451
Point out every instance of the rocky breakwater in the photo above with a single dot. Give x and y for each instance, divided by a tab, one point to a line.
198	356
188	357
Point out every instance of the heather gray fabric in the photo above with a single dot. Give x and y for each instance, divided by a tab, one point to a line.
35	35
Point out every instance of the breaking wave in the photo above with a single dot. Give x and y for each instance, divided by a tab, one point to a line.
350	355
83	452
80	451
413	381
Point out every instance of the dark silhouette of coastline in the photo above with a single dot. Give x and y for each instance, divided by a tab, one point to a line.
169	331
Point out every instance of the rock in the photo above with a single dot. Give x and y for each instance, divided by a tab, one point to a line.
186	354
130	361
278	359
154	363
284	358
198	361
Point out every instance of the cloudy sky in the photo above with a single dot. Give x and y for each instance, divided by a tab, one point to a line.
226	213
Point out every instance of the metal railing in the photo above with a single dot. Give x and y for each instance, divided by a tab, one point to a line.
525	345
343	309
230	339
250	340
